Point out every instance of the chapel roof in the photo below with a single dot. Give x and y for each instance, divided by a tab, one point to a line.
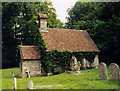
69	39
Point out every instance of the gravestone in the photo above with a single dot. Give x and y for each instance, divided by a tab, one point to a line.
12	74
92	65
28	73
75	60
79	65
75	63
71	64
114	71
84	62
87	63
15	84
96	61
103	71
30	85
49	74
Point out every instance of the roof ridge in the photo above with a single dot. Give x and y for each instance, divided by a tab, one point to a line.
67	29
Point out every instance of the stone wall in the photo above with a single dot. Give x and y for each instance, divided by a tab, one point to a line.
33	66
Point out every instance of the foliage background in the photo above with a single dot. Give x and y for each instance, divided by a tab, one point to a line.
102	21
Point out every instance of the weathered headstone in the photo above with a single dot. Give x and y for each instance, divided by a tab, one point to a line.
12	74
75	60
87	63
75	63
49	74
103	71
91	65
78	72
96	61
114	71
30	85
84	62
71	64
79	65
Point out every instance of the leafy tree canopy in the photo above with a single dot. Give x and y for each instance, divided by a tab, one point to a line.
102	21
20	24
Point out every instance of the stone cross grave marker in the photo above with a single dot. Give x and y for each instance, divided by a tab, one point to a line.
114	71
30	85
28	73
103	71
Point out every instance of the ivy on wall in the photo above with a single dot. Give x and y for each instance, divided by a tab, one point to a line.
56	58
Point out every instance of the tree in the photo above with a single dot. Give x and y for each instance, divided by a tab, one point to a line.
20	27
102	21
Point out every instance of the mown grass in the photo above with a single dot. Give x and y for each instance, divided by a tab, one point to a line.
0	80
86	80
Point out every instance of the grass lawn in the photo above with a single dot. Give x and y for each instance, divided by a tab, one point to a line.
86	80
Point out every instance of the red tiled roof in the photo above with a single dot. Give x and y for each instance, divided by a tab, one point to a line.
68	39
30	52
43	16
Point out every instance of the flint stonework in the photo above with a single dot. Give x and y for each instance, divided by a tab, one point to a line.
103	71
34	67
114	71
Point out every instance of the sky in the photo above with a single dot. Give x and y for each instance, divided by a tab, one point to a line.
61	7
